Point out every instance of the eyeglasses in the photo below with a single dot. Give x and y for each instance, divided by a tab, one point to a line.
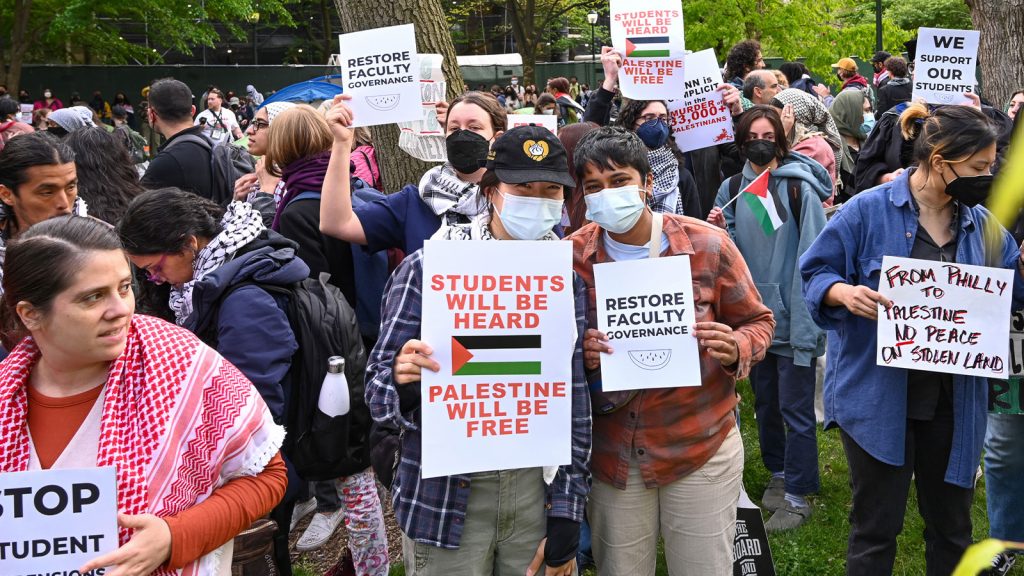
154	273
258	125
651	118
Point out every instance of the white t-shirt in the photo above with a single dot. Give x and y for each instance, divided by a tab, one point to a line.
220	126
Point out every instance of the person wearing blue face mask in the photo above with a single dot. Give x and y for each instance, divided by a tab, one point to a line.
674	190
666	462
451	525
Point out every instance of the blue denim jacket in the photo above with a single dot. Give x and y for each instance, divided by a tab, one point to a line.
867	401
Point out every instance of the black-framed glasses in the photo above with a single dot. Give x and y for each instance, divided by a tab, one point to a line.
258	125
650	118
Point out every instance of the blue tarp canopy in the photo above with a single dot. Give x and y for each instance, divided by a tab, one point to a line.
310	91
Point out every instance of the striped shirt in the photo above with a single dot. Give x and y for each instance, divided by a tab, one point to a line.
673	432
433	510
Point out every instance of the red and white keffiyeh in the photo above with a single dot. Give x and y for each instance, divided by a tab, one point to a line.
178	421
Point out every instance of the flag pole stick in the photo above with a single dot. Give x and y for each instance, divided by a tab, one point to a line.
734	198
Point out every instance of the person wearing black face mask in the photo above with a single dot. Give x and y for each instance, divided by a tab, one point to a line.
447	195
896	423
675	191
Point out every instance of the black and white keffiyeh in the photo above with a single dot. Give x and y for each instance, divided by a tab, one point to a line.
479	228
454	200
812	118
665	167
241	225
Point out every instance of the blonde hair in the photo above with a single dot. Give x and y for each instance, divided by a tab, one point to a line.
296	133
362	137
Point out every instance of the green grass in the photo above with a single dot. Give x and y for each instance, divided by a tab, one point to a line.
819	547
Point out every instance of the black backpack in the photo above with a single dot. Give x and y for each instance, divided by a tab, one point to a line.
227	164
324	325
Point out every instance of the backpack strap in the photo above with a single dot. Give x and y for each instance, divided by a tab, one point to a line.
308	195
795	201
734	185
202	140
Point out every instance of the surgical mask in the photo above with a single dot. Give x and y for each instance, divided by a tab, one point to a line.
47	94
654	133
514	81
969	190
869	123
615	209
548	112
467	150
760	152
528	218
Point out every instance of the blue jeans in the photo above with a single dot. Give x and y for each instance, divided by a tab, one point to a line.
1004	470
784	404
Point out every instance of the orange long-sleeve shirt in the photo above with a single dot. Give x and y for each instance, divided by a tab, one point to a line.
194	532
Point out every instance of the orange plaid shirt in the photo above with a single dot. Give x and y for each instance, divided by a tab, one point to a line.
673	432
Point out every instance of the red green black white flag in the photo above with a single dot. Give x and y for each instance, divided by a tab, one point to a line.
496	355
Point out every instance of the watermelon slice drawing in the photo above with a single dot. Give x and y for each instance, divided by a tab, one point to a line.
651	359
383	102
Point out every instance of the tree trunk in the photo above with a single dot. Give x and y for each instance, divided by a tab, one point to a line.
432	37
1001	23
11	74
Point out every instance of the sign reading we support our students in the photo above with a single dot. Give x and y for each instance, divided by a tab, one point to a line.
380	70
500	317
945	317
645	308
649	36
945	65
54	521
700	118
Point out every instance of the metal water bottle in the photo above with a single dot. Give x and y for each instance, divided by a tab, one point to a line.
334	396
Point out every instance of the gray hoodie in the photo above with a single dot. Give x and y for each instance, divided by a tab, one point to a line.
774	260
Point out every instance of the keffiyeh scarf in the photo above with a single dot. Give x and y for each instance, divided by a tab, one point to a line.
479	228
178	421
665	167
454	200
241	225
812	118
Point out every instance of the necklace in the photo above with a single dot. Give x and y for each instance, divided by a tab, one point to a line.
932	206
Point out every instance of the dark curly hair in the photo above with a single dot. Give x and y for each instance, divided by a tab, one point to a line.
742	59
630	112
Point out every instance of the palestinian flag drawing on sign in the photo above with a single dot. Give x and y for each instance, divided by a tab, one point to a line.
495	355
648	47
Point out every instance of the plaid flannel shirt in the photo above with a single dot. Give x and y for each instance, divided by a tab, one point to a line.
673	432
433	510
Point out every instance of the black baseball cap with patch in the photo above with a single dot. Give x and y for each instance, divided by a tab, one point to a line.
529	154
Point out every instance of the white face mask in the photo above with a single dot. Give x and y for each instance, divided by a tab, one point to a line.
514	81
528	218
615	209
47	94
549	111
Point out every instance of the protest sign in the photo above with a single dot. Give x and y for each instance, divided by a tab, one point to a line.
1004	396
500	317
424	138
945	317
548	121
380	70
700	118
645	307
945	65
54	521
651	43
751	554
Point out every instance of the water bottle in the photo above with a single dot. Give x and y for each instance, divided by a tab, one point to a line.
334	395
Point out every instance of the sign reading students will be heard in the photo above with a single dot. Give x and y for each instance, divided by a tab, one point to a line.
649	36
54	521
945	317
500	317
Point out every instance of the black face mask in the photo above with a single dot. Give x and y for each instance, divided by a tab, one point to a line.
969	190
467	150
760	152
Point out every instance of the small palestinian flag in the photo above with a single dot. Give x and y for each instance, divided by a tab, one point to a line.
648	47
762	203
495	355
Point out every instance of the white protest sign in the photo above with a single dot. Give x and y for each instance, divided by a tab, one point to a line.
652	45
500	317
380	70
701	118
54	521
548	121
424	138
645	307
1004	396
945	65
945	317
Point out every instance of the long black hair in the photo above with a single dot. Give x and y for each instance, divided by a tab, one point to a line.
107	179
160	221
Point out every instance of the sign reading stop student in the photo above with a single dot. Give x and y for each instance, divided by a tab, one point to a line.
54	521
649	36
500	317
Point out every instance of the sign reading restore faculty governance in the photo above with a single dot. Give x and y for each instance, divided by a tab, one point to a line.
945	317
54	521
380	70
500	317
645	308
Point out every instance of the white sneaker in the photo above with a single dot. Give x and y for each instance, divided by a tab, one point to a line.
320	529
301	510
